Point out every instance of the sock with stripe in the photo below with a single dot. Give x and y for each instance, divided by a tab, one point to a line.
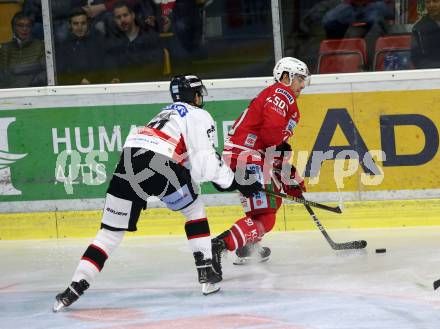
243	231
96	254
199	236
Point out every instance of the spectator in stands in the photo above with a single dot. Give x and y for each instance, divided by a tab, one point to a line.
358	19
425	42
188	23
80	56
165	25
150	14
32	8
369	12
181	25
165	8
94	8
137	53
99	11
22	60
60	10
304	42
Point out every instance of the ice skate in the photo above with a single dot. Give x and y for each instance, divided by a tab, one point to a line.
252	253
70	295
218	248
207	276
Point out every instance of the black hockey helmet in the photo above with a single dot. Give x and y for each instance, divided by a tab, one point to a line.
183	88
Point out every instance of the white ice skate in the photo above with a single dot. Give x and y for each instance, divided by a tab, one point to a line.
252	253
209	288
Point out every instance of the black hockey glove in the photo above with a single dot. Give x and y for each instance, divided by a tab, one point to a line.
245	186
279	159
249	190
283	147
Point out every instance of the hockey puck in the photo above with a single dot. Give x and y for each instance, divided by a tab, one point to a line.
436	284
381	251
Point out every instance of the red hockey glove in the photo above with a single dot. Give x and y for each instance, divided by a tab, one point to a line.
293	184
295	190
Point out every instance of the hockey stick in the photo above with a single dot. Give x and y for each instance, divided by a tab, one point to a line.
359	244
305	202
337	209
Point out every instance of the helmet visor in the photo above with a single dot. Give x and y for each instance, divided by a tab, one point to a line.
203	91
304	78
200	87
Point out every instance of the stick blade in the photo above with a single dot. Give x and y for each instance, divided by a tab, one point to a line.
360	244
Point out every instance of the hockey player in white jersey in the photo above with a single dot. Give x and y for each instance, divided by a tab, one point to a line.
167	158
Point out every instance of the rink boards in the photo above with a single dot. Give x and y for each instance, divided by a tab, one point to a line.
160	221
58	146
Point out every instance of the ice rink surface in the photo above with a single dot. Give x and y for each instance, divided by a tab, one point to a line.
151	282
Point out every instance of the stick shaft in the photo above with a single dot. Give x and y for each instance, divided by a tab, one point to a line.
359	244
319	225
305	202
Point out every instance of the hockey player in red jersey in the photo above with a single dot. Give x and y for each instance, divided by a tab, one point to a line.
258	141
167	158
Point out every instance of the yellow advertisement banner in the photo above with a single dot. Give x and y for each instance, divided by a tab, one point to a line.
369	141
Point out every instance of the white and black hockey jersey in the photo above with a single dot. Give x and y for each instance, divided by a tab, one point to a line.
184	133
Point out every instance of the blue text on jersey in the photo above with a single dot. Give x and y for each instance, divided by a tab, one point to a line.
180	108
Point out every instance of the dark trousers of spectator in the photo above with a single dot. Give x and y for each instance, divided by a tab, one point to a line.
338	20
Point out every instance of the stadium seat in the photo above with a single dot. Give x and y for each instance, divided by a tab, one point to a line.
342	55
395	44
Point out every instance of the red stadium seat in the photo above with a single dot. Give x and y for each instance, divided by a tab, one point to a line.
342	55
398	44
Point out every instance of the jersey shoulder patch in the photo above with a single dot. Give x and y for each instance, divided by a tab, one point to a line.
180	108
286	94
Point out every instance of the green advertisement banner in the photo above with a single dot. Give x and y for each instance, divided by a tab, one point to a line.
366	142
71	152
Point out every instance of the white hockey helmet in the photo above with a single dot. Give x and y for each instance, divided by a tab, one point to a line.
292	66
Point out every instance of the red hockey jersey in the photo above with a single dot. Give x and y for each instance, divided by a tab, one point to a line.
268	121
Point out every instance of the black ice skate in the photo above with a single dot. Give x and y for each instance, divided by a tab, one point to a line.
70	295
207	277
218	248
252	253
